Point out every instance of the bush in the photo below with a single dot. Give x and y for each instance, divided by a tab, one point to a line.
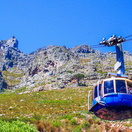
26	119
40	126
91	121
47	126
37	116
61	108
67	116
57	124
77	129
7	119
78	115
73	122
78	77
17	126
70	72
85	125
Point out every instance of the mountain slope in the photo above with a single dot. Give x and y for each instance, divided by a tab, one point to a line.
54	67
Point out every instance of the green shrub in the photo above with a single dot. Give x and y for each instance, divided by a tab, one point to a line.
16	126
82	101
26	119
85	125
67	116
56	124
73	122
70	72
77	129
61	108
78	115
79	77
37	116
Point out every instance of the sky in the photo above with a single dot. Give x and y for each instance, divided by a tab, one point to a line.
39	23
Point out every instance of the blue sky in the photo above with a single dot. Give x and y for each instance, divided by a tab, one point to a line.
39	23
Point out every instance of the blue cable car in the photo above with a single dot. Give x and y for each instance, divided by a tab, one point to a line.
112	97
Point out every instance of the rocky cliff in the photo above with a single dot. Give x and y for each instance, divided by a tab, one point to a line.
54	67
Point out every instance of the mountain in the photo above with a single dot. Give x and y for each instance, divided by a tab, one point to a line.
54	67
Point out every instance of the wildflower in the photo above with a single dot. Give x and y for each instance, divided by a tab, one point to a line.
10	108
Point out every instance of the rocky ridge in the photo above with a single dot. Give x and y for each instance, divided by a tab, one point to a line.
54	67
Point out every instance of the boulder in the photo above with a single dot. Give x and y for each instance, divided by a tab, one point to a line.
3	84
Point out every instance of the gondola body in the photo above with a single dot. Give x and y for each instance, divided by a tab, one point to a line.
112	99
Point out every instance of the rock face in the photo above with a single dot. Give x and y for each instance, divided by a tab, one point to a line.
3	84
53	67
12	42
82	49
11	56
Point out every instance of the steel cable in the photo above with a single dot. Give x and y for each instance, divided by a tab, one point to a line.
97	45
128	36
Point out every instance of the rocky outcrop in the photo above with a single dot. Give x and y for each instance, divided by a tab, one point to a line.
53	67
12	42
82	49
3	84
11	56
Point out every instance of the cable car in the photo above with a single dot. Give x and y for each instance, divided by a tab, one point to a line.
112	97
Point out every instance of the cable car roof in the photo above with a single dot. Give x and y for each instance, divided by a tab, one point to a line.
108	79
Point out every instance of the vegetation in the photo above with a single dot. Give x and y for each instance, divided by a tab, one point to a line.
78	77
84	61
85	125
14	75
70	72
50	107
101	72
77	129
55	110
16	126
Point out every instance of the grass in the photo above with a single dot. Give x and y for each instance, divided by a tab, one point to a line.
50	102
55	110
84	61
129	63
64	104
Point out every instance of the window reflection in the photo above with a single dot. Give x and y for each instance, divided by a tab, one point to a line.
95	92
99	89
120	86
108	87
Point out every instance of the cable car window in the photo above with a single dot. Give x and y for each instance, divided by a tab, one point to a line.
108	87
129	84
95	92
120	86
99	89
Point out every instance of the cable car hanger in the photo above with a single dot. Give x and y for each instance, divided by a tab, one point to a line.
112	97
113	40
